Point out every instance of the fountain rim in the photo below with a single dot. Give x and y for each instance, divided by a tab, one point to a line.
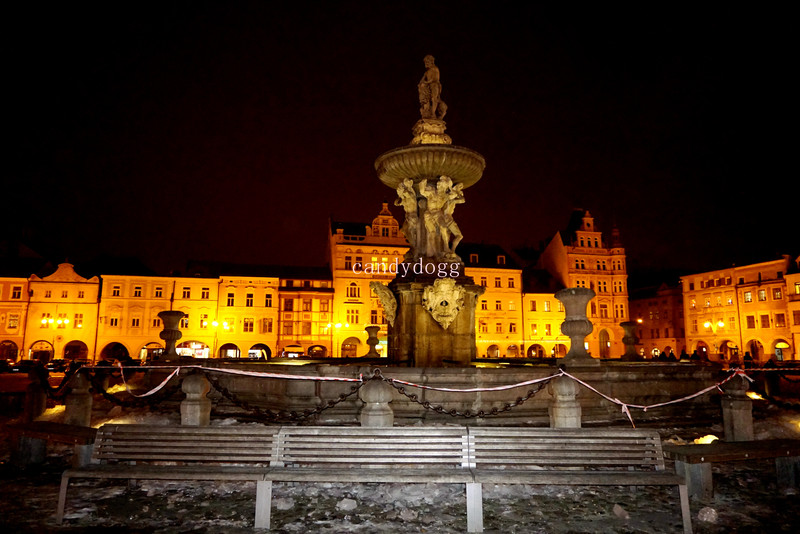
477	159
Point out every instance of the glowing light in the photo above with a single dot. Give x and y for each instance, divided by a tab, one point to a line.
338	325
639	320
215	324
705	440
707	324
755	396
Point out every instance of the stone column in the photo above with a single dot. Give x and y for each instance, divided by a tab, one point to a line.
372	341
565	410
737	410
171	333
576	325
196	407
629	340
78	402
376	395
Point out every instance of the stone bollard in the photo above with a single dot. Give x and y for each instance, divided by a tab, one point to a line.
565	410
196	407
376	395
737	410
78	402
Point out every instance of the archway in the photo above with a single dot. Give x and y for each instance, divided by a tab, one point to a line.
8	350
317	351
512	351
493	351
42	351
536	351
560	350
605	343
702	350
782	350
114	351
756	350
350	347
259	351
229	350
151	351
293	351
76	350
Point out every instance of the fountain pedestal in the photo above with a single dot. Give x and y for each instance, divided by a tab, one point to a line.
576	325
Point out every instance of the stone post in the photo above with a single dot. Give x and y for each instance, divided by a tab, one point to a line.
565	410
737	410
196	407
171	333
372	341
629	340
376	395
78	402
576	325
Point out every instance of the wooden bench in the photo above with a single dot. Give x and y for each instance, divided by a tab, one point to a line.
148	452
29	441
581	456
694	461
373	454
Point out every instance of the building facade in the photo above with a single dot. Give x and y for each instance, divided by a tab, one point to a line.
660	329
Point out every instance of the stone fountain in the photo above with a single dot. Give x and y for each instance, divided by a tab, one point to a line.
431	302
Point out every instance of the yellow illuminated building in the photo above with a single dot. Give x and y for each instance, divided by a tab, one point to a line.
741	312
13	316
581	257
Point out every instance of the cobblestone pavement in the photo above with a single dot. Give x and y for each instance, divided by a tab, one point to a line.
747	500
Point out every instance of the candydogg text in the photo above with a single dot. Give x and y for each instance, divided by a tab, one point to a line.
403	269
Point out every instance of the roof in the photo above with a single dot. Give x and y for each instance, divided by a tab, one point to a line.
215	269
487	255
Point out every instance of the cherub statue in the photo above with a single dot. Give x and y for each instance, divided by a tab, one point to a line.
407	198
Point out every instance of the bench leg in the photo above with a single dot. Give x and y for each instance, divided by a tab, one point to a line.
686	511
62	499
82	455
474	507
699	479
263	503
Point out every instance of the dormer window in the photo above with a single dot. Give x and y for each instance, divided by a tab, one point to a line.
501	260
473	258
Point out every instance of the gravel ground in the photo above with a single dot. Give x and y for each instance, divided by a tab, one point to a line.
747	500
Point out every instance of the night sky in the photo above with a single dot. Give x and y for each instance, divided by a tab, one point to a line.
232	130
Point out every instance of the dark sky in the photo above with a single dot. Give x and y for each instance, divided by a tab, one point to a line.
232	130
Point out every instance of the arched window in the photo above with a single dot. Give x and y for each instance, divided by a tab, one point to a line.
353	291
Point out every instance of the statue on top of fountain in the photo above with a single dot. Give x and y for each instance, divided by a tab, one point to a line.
430	129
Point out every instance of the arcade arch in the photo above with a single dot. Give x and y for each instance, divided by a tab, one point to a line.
229	350
350	347
76	350
317	351
8	350
259	351
41	350
114	351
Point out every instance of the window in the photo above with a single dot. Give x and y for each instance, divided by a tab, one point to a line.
307	305
796	317
498	328
547	305
268	300
604	311
777	294
762	295
247	324
48	294
512	328
13	321
533	305
751	321
483	281
484	305
64	294
115	291
287	329
501	260
324	306
373	316
348	262
16	292
266	325
305	328
288	305
748	296
80	294
205	293
534	329
248	300
230	300
765	321
203	320
498	305
135	322
483	328
185	322
113	321
158	292
473	258
497	282
156	322
187	293
353	291
511	282
352	316
137	291
780	320
547	330
511	305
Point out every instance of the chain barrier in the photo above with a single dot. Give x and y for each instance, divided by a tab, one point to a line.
438	408
96	379
58	392
275	416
